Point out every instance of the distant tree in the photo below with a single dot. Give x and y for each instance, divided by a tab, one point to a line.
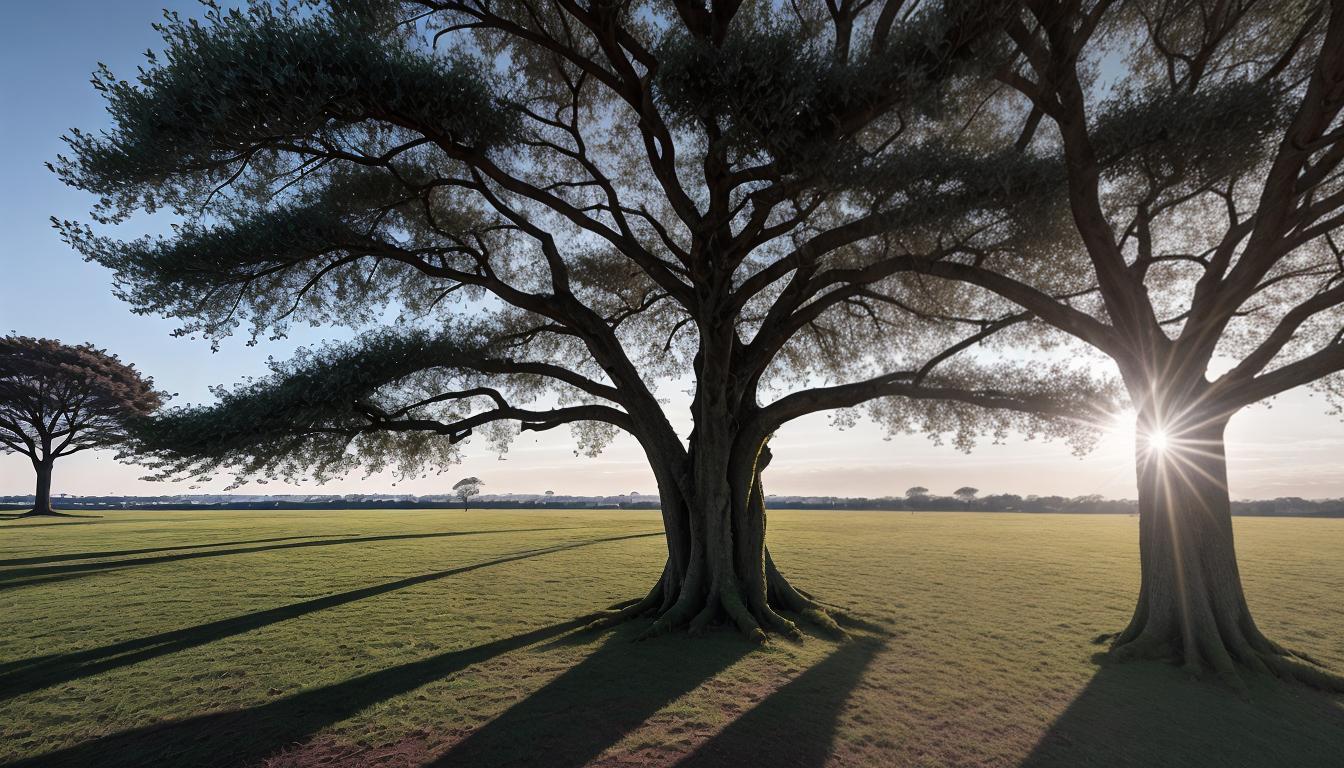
966	493
466	488
550	493
917	492
57	400
725	191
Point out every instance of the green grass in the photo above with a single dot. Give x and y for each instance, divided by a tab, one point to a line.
405	638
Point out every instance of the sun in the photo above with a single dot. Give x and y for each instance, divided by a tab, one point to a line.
1158	441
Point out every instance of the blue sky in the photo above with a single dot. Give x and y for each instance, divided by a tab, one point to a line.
47	52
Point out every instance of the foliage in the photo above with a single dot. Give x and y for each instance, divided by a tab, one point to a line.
467	487
335	163
57	399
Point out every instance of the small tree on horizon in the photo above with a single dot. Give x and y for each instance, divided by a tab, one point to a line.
966	493
466	488
917	492
57	400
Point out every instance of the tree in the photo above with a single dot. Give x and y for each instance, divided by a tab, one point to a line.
917	492
966	493
615	194
466	488
1204	197
57	400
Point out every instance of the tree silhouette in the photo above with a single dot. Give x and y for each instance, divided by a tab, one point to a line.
1200	254
466	488
57	400
966	493
718	192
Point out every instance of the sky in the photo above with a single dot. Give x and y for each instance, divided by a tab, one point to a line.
47	52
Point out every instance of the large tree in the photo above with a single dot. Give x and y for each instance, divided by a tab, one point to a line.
57	400
611	196
1200	147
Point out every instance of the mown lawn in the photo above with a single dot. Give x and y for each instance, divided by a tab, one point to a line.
406	638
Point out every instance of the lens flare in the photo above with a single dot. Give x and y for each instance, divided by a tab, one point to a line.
1158	442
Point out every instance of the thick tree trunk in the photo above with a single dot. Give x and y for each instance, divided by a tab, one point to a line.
1191	606
718	567
42	497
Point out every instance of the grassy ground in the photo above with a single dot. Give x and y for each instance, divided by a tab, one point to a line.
446	638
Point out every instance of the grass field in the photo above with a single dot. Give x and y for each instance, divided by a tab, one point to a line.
406	638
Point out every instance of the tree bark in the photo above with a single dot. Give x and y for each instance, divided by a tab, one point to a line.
718	567
1191	607
42	497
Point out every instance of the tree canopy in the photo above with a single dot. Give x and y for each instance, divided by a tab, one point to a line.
567	206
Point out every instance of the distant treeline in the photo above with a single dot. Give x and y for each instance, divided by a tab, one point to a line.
1287	506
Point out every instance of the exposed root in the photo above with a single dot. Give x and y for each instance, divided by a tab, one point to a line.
1231	657
737	611
698	615
629	609
681	612
779	624
675	606
788	597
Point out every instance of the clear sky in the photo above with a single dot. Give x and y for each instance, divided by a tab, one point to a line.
48	50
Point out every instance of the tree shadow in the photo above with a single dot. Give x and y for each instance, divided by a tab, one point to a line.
594	704
48	525
796	724
124	552
1152	714
36	673
247	736
19	577
35	515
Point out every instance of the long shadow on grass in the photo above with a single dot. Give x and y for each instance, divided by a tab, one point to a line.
48	525
18	577
246	736
27	675
594	704
795	725
1152	714
124	552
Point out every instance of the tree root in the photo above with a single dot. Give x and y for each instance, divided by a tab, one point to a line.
628	609
1230	656
697	615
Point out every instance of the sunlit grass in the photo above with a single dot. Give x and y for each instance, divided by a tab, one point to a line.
349	636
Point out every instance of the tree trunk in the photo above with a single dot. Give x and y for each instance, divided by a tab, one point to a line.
1191	606
42	498
713	503
718	566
